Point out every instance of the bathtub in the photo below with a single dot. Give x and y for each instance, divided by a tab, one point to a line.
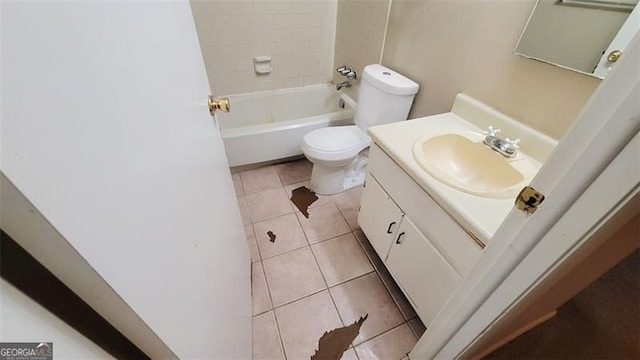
269	125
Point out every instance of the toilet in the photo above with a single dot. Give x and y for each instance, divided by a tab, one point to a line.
339	153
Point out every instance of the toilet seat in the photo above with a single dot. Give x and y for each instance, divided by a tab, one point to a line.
335	143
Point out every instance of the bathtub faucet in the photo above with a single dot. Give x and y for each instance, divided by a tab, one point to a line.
344	84
347	72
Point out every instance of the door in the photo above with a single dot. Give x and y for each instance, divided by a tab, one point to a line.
379	216
424	275
106	131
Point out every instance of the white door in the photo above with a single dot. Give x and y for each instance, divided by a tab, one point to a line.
105	130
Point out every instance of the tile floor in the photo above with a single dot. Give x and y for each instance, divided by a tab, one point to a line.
321	273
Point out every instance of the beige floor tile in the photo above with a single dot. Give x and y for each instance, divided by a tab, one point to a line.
368	249
324	222
350	354
268	204
251	240
292	275
417	327
367	295
392	345
303	322
266	338
341	259
349	208
355	193
244	211
289	235
322	199
237	184
260	179
294	171
259	291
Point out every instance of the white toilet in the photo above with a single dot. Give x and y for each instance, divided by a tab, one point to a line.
339	153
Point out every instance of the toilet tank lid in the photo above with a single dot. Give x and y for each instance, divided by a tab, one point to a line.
389	81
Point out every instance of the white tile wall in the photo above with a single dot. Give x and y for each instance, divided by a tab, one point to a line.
360	32
297	34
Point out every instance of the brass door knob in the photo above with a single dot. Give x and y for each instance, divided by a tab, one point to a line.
614	55
222	105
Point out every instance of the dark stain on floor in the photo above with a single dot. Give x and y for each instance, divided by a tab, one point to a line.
272	236
334	343
302	198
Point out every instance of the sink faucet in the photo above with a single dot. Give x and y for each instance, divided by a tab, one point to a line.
344	84
506	147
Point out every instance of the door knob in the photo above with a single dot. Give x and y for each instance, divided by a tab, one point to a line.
222	104
614	55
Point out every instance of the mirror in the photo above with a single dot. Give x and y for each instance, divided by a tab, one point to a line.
580	35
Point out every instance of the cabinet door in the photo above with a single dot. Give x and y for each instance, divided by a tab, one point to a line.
424	275
379	217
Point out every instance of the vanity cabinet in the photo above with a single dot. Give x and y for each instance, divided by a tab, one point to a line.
423	248
380	216
425	276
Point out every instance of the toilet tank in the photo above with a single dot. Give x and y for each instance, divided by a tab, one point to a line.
384	97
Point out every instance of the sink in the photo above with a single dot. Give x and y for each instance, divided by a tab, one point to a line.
462	161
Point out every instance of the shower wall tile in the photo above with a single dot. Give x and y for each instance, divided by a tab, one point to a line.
299	35
360	32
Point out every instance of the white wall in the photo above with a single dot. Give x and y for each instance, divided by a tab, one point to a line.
297	34
24	320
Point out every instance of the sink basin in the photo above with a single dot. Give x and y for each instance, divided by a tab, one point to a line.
463	162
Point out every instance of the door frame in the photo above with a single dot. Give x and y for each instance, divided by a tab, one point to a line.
601	131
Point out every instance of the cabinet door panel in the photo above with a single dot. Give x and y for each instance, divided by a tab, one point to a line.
425	276
379	217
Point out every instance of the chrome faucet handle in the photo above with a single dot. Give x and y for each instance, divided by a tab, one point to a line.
492	132
352	75
344	70
513	143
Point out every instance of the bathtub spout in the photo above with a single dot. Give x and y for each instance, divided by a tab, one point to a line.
344	84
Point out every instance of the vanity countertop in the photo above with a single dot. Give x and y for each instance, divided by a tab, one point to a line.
479	215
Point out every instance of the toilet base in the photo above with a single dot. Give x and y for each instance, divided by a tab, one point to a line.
329	180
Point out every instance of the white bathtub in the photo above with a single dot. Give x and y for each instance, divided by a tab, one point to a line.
269	125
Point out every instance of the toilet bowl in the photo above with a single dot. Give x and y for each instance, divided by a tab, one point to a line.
339	154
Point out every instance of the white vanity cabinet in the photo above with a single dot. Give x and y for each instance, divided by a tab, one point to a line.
380	216
424	275
425	250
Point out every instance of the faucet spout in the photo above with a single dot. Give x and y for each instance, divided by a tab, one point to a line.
344	84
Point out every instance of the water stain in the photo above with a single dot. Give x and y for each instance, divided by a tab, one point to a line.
302	198
334	343
272	236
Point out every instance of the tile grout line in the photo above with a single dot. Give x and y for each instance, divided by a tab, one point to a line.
406	321
264	273
384	283
310	245
333	301
284	352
